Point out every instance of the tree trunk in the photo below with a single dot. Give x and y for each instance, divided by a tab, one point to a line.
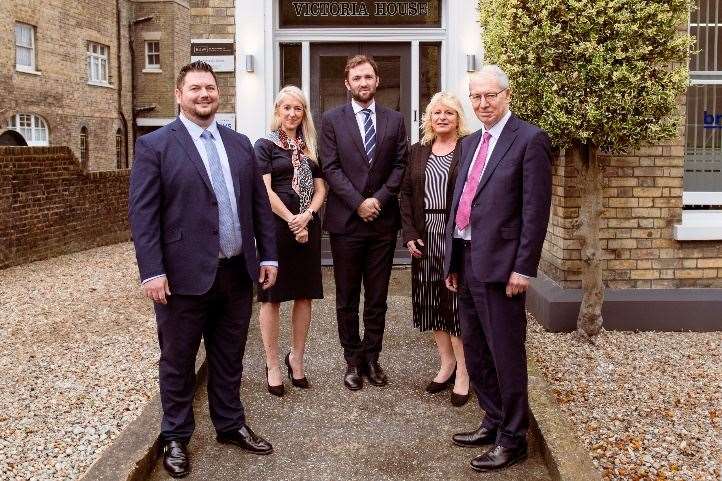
589	322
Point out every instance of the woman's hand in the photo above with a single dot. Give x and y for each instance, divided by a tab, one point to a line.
299	222
302	236
413	249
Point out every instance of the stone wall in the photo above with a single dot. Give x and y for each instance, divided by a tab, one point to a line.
49	206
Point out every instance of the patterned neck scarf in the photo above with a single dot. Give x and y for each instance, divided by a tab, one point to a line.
302	182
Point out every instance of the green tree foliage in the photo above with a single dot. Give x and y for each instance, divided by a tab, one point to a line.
605	73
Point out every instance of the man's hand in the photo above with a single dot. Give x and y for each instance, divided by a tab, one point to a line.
157	289
267	276
517	284
452	281
369	209
413	250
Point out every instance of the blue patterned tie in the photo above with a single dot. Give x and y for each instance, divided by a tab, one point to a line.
230	243
369	134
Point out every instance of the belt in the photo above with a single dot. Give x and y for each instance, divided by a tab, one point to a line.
225	261
463	242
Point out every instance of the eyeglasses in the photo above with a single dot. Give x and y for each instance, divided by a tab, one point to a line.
490	97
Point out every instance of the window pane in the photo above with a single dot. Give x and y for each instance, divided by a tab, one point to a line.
23	56
290	65
24	35
703	159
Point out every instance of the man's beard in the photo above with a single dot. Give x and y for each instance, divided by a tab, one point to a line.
205	114
357	96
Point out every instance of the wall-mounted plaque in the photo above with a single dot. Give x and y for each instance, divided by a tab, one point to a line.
360	13
219	53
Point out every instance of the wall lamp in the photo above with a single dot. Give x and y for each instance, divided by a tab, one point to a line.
471	63
250	63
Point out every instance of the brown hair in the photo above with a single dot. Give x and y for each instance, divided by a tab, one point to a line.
357	60
197	66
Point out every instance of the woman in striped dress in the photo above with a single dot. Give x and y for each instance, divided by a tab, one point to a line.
426	195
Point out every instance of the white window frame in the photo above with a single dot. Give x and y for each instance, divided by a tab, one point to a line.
152	67
98	64
33	128
21	67
703	224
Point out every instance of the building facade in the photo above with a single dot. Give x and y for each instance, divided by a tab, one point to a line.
81	74
662	227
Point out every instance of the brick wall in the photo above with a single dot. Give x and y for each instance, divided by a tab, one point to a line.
49	206
216	19
643	202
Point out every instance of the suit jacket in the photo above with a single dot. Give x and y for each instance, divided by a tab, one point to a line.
510	211
413	188
352	178
174	213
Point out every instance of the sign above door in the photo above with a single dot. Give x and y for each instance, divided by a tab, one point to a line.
361	13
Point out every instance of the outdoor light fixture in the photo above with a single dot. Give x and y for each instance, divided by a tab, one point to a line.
249	63
471	63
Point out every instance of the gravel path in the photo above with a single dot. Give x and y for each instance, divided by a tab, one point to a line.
78	355
648	405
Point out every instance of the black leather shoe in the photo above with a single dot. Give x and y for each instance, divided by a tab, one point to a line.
436	387
473	439
246	439
275	390
352	379
303	382
175	459
376	374
458	400
499	457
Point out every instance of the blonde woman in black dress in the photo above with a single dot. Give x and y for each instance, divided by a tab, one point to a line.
287	160
426	195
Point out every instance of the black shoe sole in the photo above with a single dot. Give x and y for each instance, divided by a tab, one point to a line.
260	453
353	388
179	475
378	384
477	445
514	461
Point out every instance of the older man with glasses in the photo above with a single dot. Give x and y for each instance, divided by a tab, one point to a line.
497	225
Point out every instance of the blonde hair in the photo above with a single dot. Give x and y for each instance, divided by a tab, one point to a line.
307	128
446	99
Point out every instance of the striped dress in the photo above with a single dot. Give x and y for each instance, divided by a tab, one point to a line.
434	306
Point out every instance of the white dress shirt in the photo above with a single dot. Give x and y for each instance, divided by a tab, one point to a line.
360	118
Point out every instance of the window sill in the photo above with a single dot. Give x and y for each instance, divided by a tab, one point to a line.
152	70
101	84
27	70
699	225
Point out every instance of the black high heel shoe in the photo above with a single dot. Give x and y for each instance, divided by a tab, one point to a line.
279	390
303	382
436	387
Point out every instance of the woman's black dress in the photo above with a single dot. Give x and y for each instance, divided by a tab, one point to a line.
299	265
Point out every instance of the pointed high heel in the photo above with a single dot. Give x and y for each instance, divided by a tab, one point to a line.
436	387
303	382
279	390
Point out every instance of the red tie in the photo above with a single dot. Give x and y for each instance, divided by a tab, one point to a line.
463	213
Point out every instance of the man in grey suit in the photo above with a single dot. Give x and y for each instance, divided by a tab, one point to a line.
496	230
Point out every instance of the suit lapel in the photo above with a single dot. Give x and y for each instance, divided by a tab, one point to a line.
502	146
381	121
352	126
233	162
184	138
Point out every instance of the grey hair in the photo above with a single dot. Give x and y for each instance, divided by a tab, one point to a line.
497	72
